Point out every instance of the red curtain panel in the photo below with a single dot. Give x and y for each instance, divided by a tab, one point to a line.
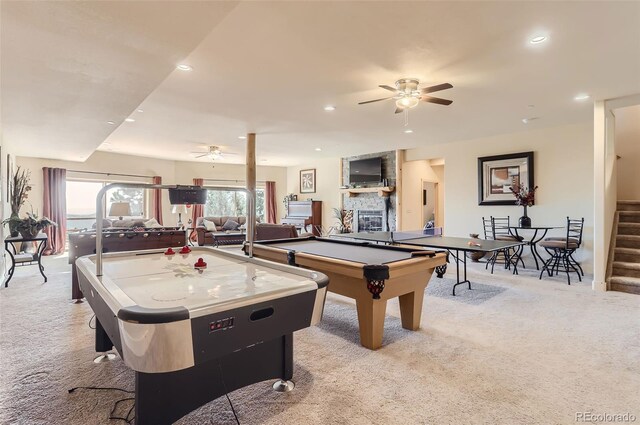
156	200
55	208
270	195
198	210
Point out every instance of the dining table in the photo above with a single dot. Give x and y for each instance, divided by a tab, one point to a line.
531	235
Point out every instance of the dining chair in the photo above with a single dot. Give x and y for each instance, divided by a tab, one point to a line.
562	249
497	228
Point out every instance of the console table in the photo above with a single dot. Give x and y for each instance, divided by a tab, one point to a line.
25	259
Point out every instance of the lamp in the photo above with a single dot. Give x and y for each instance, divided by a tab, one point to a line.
407	101
179	209
120	209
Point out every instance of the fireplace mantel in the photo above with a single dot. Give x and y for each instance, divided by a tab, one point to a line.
383	192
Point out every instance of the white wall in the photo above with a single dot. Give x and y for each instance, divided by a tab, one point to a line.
327	186
627	146
563	166
172	172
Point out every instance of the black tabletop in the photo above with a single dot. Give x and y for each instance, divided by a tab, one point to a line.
536	227
442	242
38	237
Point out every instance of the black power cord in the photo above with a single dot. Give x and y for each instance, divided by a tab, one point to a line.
226	393
116	404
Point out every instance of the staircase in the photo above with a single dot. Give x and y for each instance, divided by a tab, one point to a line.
625	269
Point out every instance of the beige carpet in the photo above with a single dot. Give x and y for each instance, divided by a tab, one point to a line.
511	351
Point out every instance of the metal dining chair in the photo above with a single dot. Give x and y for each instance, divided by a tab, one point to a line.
562	249
497	228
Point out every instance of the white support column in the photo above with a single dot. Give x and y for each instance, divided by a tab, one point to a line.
600	232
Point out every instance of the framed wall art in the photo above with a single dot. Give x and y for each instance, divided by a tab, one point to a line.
498	173
308	181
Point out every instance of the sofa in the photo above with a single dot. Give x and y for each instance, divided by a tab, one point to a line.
267	231
205	237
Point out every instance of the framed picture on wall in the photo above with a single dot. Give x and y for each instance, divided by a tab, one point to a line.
498	173
308	181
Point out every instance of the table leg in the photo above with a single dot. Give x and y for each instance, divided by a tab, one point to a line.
533	245
12	268
465	280
40	250
371	321
411	309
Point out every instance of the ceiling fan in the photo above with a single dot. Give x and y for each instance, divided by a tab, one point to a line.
407	95
213	152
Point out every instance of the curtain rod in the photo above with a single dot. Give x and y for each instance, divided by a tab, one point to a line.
110	174
231	181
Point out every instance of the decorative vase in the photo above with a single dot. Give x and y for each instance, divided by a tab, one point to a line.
475	255
29	233
13	226
525	221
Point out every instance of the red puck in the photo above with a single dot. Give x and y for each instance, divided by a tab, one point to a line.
200	264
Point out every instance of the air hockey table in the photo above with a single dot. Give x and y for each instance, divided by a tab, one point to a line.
370	274
194	334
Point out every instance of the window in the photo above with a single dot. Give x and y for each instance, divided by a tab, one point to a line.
231	203
81	202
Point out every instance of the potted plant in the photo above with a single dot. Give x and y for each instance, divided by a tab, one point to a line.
341	216
18	194
29	226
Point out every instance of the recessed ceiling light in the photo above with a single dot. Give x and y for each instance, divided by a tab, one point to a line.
184	67
111	122
139	110
242	137
408	131
263	160
528	120
129	120
582	97
538	39
329	108
318	149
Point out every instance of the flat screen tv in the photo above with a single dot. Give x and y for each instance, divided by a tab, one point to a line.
365	170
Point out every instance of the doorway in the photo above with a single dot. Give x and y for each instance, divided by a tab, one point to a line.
430	203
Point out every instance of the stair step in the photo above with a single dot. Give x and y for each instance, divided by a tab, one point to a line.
628	241
625	284
626	269
629	229
629	216
628	205
627	255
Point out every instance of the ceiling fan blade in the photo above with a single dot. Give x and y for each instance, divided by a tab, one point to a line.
200	156
439	87
375	100
437	100
398	110
384	86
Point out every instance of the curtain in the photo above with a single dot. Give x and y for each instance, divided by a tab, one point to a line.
198	211
55	208
270	199
156	200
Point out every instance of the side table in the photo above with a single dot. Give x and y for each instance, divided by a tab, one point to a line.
25	259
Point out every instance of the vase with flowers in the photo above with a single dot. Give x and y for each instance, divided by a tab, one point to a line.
525	197
18	193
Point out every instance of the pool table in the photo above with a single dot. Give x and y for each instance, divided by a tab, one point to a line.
192	331
370	274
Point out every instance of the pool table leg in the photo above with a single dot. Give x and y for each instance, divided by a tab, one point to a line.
371	320
411	309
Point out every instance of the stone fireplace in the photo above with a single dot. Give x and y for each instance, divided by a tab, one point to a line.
369	221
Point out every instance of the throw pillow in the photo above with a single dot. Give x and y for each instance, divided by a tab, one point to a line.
230	225
210	226
152	223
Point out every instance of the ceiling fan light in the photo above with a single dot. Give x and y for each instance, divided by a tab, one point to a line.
407	102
